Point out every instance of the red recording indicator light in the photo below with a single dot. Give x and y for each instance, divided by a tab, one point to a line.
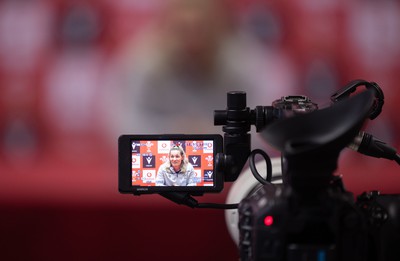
268	221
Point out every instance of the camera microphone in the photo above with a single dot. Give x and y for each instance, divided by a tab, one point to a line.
367	144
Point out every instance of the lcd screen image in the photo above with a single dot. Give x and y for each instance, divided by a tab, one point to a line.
172	162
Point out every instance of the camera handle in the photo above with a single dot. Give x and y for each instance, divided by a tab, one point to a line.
352	87
366	143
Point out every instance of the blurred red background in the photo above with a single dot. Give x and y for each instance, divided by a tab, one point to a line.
58	160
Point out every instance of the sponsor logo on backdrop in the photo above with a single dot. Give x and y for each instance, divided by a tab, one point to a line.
135	146
135	175
195	160
164	158
149	144
208	146
208	175
149	176
180	143
209	160
149	161
197	177
196	146
136	161
164	147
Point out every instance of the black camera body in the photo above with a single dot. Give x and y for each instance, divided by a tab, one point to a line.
279	224
382	212
310	216
289	226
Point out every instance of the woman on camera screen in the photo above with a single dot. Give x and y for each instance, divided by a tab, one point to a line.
176	171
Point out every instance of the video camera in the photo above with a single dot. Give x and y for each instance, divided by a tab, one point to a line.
310	216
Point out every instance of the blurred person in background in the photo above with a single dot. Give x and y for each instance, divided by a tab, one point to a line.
191	56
